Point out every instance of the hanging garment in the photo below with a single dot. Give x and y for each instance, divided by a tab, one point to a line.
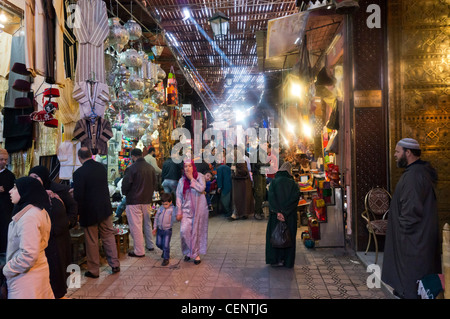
17	55
70	42
30	48
5	53
91	29
94	134
59	42
68	107
68	158
50	30
92	98
17	133
40	39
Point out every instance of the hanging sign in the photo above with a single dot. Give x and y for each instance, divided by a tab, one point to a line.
186	110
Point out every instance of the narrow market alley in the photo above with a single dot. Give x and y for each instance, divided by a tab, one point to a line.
234	268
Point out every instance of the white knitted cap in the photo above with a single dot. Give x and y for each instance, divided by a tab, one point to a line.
410	143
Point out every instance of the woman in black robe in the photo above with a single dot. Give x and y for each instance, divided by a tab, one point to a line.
58	251
283	196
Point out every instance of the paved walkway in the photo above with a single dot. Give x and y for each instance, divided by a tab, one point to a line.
234	268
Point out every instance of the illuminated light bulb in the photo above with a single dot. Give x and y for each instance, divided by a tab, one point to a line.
307	130
3	18
290	127
296	89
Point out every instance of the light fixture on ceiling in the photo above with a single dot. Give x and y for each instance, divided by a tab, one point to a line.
229	79
3	17
219	24
186	14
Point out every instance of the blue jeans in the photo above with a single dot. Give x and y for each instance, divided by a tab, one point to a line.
170	185
163	241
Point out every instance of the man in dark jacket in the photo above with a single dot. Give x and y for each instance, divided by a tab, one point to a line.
138	185
90	190
412	240
171	174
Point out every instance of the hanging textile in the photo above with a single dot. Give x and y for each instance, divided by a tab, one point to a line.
5	54
69	113
91	29
93	98
70	42
17	55
94	134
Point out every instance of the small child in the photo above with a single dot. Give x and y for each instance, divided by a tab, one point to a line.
162	226
210	185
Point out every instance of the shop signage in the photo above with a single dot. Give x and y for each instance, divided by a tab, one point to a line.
369	98
186	110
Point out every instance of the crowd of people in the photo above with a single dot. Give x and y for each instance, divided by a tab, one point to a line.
37	215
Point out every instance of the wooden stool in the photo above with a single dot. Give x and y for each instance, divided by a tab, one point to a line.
122	241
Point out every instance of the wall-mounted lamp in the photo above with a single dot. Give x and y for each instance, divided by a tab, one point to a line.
219	24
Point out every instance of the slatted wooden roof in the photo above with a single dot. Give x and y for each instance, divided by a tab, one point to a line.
204	61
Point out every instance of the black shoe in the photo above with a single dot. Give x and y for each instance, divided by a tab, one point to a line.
197	261
115	270
232	219
90	275
150	249
279	264
244	217
398	295
187	258
165	262
132	254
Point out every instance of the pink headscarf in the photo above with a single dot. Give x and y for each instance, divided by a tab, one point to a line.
187	182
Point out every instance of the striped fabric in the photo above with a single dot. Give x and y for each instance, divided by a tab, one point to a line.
91	29
92	97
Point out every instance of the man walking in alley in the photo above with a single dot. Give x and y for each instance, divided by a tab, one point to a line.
412	240
138	185
90	190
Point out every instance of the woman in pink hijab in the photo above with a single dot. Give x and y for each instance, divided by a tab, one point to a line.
193	212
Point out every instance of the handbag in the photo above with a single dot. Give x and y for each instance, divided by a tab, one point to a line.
281	236
333	143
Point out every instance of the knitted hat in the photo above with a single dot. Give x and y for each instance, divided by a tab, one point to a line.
409	143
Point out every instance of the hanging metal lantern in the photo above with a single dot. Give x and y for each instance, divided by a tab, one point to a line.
160	73
131	58
134	29
132	106
146	139
118	36
157	50
135	83
132	130
219	24
110	67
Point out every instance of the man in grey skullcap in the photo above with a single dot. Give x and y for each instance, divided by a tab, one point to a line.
412	240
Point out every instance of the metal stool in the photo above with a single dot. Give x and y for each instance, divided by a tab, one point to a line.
122	241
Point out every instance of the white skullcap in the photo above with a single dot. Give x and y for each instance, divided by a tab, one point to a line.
410	143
